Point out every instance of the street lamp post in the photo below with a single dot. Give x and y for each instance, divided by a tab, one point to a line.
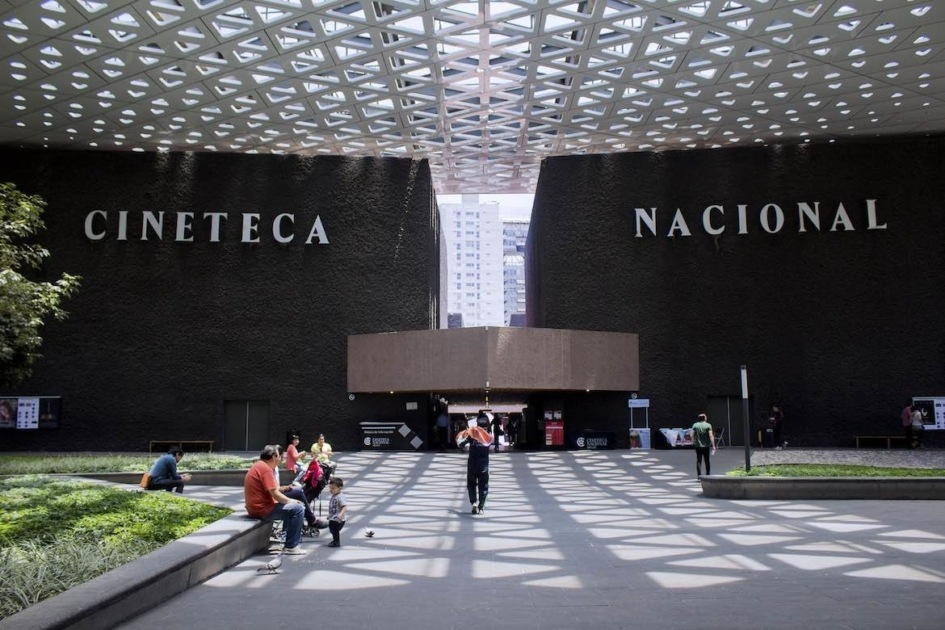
746	418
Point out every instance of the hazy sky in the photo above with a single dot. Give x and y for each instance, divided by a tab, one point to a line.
517	207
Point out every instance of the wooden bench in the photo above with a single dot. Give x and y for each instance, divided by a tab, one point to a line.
888	438
165	445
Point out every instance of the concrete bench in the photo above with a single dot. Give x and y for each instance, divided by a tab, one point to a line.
165	445
887	438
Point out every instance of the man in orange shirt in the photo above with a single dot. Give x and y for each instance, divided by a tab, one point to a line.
265	501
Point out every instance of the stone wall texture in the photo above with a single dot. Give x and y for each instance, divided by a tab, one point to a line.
841	325
161	332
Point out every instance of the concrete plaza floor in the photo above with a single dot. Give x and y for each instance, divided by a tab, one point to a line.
582	539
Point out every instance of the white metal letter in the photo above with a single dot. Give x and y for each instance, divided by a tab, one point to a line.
648	219
812	214
277	228
742	218
766	219
216	218
156	223
871	216
250	228
317	230
88	225
843	219
707	220
185	227
123	225
679	223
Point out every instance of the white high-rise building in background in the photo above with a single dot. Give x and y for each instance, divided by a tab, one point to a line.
473	232
513	270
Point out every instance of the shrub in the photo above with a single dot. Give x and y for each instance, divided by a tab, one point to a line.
56	534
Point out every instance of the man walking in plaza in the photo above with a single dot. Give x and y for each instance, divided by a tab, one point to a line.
477	466
265	501
703	439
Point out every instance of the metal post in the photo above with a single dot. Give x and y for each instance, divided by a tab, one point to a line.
746	418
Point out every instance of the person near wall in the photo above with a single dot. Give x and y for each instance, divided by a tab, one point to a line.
777	421
442	429
496	431
918	428
164	475
906	419
264	500
512	430
703	439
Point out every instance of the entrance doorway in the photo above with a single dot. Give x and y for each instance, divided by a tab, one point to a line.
245	425
725	412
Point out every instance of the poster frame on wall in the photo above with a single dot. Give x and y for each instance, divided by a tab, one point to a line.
933	411
30	413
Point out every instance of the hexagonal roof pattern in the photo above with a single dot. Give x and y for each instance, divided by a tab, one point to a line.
483	89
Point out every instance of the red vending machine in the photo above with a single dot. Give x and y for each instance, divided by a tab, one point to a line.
554	429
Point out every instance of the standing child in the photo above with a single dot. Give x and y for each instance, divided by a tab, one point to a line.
337	511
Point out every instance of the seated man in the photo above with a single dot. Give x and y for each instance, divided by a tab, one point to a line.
264	500
164	474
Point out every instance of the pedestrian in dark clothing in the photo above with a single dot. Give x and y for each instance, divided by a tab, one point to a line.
496	431
477	466
703	439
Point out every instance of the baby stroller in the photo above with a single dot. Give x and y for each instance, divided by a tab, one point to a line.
307	487
313	481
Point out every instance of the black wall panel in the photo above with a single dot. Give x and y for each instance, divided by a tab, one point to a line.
841	326
162	332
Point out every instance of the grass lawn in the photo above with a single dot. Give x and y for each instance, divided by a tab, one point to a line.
66	463
57	533
834	470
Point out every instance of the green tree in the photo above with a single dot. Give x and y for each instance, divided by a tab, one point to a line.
24	303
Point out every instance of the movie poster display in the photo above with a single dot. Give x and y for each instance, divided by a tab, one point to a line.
933	411
30	412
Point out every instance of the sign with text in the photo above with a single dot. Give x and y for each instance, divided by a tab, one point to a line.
30	412
933	411
389	436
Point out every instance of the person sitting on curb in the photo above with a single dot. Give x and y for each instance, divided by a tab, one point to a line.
164	475
294	457
264	500
321	450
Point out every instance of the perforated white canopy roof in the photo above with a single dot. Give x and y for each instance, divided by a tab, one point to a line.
484	90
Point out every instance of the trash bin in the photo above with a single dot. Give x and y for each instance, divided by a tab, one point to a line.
767	439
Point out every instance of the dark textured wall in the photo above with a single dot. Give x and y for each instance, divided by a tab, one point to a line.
842	327
162	332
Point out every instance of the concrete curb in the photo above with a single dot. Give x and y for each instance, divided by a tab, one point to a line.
138	586
227	478
777	488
